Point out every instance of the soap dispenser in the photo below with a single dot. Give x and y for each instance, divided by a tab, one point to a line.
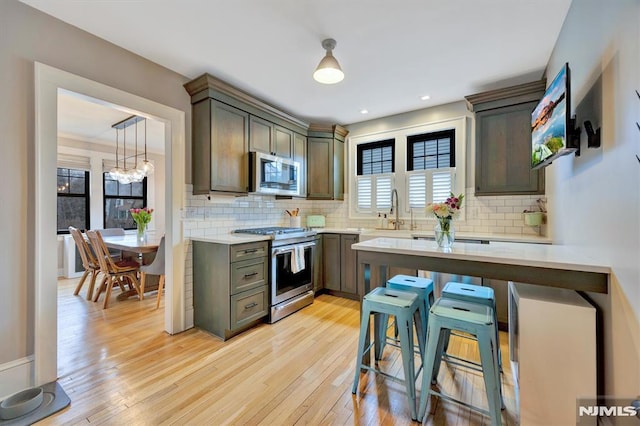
385	222
379	222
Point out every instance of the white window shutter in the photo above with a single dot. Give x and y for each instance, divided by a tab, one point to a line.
384	186
365	193
417	190
441	184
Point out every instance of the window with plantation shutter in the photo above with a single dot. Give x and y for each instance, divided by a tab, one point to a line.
430	167
374	192
375	175
425	163
429	186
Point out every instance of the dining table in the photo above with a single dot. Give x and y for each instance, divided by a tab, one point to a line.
145	251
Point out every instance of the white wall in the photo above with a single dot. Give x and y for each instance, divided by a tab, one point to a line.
597	196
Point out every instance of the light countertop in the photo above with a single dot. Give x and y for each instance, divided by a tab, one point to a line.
232	238
507	253
369	233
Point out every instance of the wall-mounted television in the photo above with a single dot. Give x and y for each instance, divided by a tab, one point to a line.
552	130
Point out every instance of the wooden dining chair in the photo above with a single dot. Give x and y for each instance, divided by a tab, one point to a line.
154	268
89	262
115	272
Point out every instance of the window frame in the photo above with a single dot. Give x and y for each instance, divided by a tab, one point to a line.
375	145
86	196
450	133
106	197
460	126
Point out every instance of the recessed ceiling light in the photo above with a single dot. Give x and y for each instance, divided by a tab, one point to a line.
364	111
425	97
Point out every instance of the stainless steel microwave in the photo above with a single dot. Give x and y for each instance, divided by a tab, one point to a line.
269	174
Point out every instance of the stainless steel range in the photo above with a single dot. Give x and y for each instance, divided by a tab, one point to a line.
291	286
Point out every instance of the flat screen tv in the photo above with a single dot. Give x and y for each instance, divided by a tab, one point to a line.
552	129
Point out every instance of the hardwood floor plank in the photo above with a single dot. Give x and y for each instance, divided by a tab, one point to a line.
120	367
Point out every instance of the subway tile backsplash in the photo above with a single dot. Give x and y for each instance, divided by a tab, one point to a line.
219	214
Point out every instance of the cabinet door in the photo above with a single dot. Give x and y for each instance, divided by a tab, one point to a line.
229	147
331	261
283	142
503	152
318	283
349	264
501	293
338	170
260	135
300	155
320	168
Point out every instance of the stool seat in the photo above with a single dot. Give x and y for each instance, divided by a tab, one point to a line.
407	310
468	292
402	299
473	318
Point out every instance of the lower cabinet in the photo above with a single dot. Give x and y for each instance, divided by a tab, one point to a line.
230	286
501	293
318	269
339	264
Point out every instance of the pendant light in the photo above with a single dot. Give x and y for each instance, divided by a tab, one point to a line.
328	70
134	174
145	166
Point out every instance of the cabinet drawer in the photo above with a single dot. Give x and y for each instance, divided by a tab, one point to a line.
248	274
249	306
249	251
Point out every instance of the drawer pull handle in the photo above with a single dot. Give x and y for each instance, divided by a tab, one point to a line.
250	251
250	306
253	274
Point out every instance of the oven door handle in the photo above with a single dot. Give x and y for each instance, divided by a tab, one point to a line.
287	249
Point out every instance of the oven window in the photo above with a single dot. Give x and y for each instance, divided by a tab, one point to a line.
286	280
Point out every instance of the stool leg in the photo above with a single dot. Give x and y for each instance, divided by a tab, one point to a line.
420	330
405	329
491	375
443	338
381	335
428	362
364	332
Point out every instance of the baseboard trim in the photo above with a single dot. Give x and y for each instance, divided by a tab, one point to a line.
15	376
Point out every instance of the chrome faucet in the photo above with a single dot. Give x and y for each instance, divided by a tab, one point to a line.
394	208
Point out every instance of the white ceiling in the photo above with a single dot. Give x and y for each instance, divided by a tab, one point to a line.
87	119
392	52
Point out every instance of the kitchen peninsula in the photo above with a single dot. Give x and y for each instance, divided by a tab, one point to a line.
561	266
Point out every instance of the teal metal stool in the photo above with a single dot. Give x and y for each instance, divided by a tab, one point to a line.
407	309
473	294
423	287
473	318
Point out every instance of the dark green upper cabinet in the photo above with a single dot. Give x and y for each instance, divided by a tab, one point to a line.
270	138
503	140
325	162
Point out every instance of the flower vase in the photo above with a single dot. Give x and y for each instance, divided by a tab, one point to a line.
142	232
445	233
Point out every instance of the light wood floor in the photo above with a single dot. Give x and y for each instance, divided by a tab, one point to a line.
119	367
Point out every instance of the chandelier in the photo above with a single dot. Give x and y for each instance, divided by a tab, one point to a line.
139	169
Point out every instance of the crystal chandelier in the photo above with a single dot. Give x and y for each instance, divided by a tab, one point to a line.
139	169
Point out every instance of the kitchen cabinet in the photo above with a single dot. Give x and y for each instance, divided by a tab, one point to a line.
503	140
339	264
267	137
501	293
300	155
219	149
230	286
318	283
325	162
227	124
